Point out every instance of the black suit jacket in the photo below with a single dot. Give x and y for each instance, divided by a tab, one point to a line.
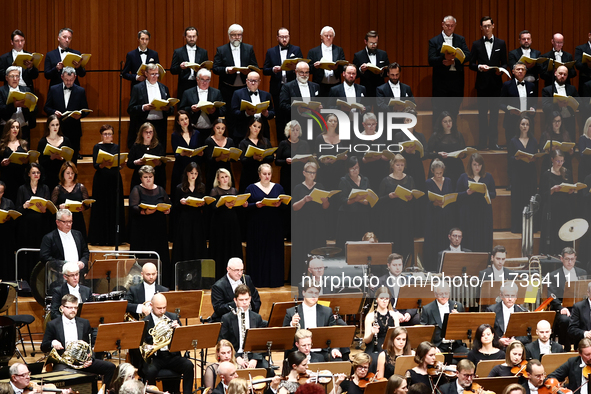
547	100
500	322
7	110
181	55
230	330
136	295
133	62
223	58
447	83
556	286
241	118
384	94
516	54
571	369
431	315
338	91
548	76
52	248
315	54
53	74
368	79
28	73
488	82
139	97
579	320
533	349
584	70
324	317
55	102
440	254
55	330
222	297
383	281
147	338
59	292
487	273
273	58
291	90
190	97
511	97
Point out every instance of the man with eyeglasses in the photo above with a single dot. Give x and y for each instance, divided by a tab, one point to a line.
537	376
222	292
371	56
326	78
300	87
463	382
316	275
503	310
189	52
72	285
455	245
29	72
434	314
70	328
17	109
254	95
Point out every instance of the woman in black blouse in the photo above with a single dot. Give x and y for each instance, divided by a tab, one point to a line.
378	320
70	189
146	143
485	346
52	163
514	355
288	148
446	139
424	356
12	173
183	136
359	369
398	345
250	165
218	138
555	131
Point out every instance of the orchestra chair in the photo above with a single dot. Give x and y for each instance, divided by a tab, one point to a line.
7	297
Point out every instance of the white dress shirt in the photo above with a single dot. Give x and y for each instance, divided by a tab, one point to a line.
350	93
149	291
309	313
305	91
203	122
21	82
191	50
506	315
156	320
18	114
69	245
489	46
75	291
395	89
16	389
522	95
544	347
558	56
498	274
572	273
70	330
143	56
329	77
373	57
153	93
459	388
454	249
236	57
443	309
234	283
532	389
67	94
283	55
62	54
449	40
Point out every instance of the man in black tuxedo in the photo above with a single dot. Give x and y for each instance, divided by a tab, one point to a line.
17	109
543	345
316	275
69	328
560	56
537	376
455	245
273	60
141	55
138	295
226	372
503	310
222	292
434	313
560	87
463	382
496	271
371	55
202	120
181	56
140	110
393	88
234	328
580	320
573	368
487	52
253	94
53	60
583	66
448	71
20	378
63	243
393	281
300	87
533	70
163	358
348	90
68	97
28	73
71	273
327	51
303	343
558	281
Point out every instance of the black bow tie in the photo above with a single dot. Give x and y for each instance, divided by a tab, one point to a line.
488	40
521	83
143	52
256	93
283	48
64	50
67	88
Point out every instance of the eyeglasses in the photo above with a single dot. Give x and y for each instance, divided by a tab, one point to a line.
154	74
237	269
253	80
283	37
13	76
310	172
363	367
107	134
24	375
72	275
70	307
66	221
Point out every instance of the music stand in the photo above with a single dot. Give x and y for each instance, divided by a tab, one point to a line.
343	304
460	325
417	333
496	384
107	269
278	312
521	323
200	337
489	291
458	264
552	361
186	303
333	337
102	312
574	291
410	297
334	367
375	387
361	253
265	340
127	335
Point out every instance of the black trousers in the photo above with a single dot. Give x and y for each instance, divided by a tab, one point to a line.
174	362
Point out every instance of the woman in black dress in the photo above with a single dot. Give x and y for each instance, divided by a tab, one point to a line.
70	189
359	370
514	355
327	144
7	227
555	131
445	139
560	205
219	137
52	163
374	167
397	385
585	158
183	136
12	174
264	238
224	351
398	345
353	217
106	186
147	227
425	356
476	217
380	317
225	240
146	143
250	165
296	365
485	346
189	242
392	205
523	173
288	148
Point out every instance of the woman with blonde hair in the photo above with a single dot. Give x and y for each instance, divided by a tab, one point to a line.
224	351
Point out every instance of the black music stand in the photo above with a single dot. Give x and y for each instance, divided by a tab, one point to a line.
417	333
460	325
186	338
186	303
264	340
333	337
278	312
574	291
119	336
102	312
520	323
410	297
458	264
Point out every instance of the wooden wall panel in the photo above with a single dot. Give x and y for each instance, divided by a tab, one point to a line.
108	29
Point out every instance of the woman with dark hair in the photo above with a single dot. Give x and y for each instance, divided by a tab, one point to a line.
397	385
555	131
106	185
147	143
561	205
485	346
297	362
326	144
288	148
584	158
353	218
7	235
70	189
12	173
514	355
359	370
476	219
378	320
250	165
398	345
522	171
52	163
189	241
424	356
218	138
147	226
446	139
183	136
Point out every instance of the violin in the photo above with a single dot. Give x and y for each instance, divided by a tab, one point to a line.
48	388
553	386
439	368
476	388
370	378
519	370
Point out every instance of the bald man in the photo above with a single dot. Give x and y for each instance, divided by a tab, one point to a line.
222	292
543	345
560	86
163	358
558	55
254	95
226	372
137	295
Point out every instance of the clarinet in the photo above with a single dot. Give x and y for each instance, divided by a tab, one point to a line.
375	322
243	321
295	300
